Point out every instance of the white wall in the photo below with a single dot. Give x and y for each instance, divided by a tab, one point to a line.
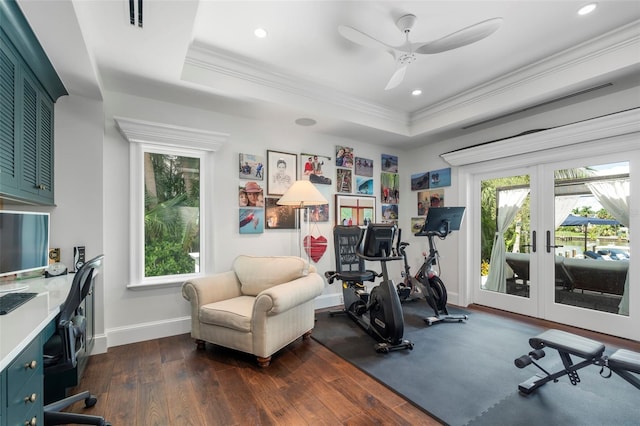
134	315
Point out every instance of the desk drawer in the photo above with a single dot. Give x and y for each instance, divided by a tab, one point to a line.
27	365
26	407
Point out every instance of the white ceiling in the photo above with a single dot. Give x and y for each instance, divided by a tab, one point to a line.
204	53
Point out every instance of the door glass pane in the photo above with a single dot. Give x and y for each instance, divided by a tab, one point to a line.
592	237
172	213
505	235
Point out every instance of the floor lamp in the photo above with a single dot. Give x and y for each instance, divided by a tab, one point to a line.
301	195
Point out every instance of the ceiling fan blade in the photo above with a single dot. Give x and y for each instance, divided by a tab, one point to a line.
361	38
397	77
460	38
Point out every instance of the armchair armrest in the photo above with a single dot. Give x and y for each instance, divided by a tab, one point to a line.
283	297
211	288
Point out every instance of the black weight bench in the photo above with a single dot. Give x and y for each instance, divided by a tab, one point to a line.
570	346
624	362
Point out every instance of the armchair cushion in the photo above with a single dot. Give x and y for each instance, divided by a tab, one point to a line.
260	273
231	313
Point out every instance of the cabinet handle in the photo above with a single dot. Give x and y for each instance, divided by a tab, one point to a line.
31	398
31	365
31	422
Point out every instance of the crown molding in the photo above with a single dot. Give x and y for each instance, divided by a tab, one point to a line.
139	131
262	81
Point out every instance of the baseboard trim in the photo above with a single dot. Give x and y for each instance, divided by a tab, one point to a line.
147	331
118	336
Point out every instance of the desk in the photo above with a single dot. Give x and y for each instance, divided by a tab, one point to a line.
22	334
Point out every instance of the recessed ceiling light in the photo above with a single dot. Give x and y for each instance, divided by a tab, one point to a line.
587	9
305	121
416	92
260	32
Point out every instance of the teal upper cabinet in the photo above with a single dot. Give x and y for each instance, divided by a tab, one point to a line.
29	86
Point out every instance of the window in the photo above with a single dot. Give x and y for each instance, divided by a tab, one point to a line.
169	170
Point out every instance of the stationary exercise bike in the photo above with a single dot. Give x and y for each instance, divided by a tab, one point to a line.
440	222
409	289
377	312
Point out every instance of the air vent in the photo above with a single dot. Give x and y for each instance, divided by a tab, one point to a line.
133	5
542	104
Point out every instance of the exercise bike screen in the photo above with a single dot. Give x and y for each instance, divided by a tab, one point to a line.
438	216
378	240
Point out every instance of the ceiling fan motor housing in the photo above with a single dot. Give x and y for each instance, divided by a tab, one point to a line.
405	22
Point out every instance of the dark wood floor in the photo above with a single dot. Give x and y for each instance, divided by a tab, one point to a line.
168	382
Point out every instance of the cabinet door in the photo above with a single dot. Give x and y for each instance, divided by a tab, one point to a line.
36	160
8	155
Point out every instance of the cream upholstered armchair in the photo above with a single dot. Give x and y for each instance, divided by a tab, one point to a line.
259	307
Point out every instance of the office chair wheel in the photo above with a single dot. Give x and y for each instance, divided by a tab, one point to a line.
90	401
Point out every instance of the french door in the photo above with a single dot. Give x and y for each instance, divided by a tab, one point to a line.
552	241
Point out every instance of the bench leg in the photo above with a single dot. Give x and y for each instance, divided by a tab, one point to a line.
570	369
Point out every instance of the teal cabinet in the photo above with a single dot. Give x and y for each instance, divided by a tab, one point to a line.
29	87
22	388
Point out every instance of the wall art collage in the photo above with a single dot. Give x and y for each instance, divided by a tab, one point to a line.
430	193
346	180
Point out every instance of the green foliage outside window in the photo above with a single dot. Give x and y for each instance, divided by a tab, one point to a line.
172	210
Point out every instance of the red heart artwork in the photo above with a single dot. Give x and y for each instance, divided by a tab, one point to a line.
315	247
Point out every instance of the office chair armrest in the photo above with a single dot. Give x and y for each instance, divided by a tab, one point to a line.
211	288
283	297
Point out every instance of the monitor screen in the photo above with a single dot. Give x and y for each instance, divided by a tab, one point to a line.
24	241
443	220
377	240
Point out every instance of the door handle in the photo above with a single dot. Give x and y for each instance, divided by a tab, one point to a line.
549	246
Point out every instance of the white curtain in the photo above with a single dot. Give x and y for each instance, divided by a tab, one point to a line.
614	197
563	206
509	202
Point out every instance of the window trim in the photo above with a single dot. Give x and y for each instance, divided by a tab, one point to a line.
145	136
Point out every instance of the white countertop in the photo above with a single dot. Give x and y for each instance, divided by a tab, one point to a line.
20	326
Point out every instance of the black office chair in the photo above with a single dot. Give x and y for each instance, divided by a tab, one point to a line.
62	349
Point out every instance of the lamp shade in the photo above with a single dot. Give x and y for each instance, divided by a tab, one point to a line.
302	194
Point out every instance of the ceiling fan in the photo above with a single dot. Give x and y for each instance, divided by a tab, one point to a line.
405	54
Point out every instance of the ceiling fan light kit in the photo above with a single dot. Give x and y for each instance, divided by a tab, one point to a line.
405	54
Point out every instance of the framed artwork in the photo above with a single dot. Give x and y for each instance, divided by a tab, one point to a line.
251	166
316	168
364	185
343	180
355	210
389	163
440	178
433	198
250	220
390	188
389	213
279	217
251	194
344	156
416	224
364	167
420	181
282	171
317	213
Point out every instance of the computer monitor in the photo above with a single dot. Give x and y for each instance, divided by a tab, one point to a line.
24	241
442	220
377	240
